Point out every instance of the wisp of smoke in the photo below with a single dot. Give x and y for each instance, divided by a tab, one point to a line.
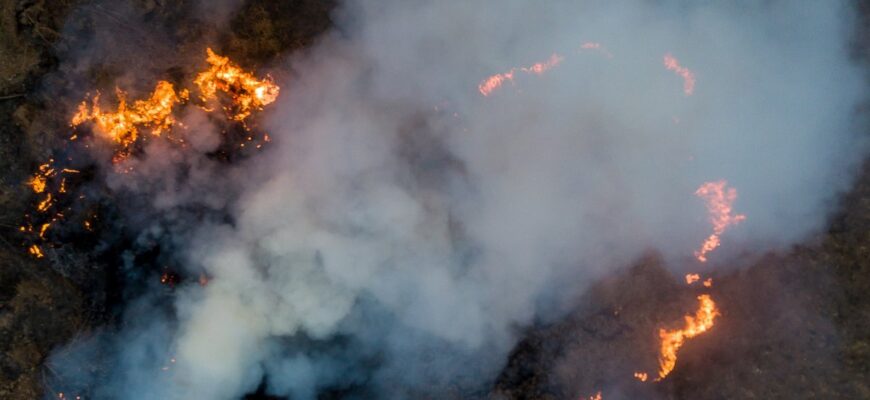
401	229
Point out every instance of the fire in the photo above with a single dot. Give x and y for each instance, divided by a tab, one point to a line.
122	125
719	201
493	82
35	251
40	178
44	204
596	396
672	340
247	92
672	64
541	67
641	376
708	282
692	278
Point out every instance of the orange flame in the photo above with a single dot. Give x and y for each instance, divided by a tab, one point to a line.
248	93
641	376
672	64
35	251
692	278
493	82
40	178
596	396
44	204
672	340
719	201
122	126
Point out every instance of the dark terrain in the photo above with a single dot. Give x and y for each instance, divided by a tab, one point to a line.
793	325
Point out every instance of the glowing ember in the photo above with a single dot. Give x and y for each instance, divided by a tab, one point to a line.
44	204
35	251
672	64
121	127
493	82
40	178
708	282
641	376
247	92
692	278
540	68
719	201
596	396
672	340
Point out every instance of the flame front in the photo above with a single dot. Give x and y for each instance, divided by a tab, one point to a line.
122	125
672	340
493	82
672	64
247	92
121	128
719	200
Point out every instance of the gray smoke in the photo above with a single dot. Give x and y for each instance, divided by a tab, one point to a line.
401	228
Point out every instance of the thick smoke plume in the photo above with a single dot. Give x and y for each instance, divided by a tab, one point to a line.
401	228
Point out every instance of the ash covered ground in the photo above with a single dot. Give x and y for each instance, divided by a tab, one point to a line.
794	324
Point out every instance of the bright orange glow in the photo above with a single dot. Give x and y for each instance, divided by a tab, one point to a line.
692	278
43	229
596	396
122	126
672	64
708	282
641	376
719	201
247	92
488	85
541	67
44	204
35	251
695	325
494	82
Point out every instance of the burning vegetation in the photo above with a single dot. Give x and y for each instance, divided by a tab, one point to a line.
644	346
490	84
248	93
718	198
120	129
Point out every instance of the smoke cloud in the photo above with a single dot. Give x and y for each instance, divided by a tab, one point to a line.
401	228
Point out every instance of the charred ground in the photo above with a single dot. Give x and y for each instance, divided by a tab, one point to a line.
811	341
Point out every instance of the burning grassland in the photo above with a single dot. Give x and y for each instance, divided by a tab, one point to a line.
120	129
435	187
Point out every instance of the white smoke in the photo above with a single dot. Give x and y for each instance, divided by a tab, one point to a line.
402	228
